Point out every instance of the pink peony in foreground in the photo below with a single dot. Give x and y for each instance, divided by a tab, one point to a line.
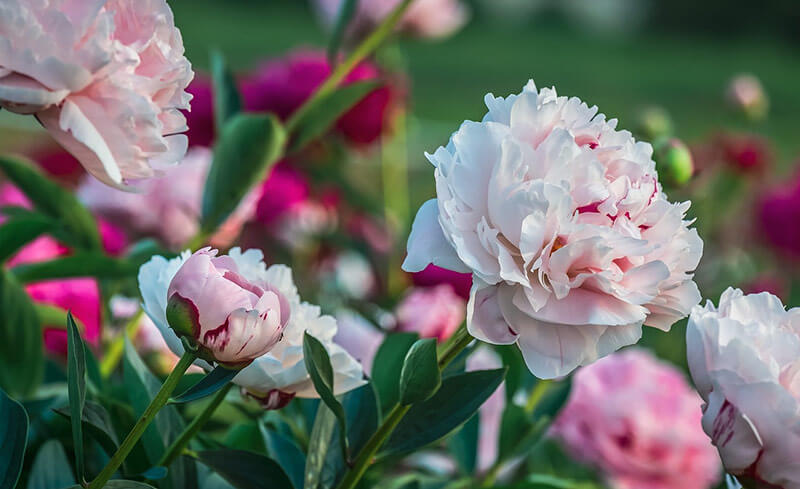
106	78
638	421
560	219
433	312
744	356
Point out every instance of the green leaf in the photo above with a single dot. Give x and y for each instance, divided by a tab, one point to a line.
97	424
246	470
21	348
80	264
247	147
55	317
286	452
457	400
227	101
514	427
76	386
420	376
16	233
387	366
318	446
464	445
318	364
209	384
54	201
51	468
120	484
13	439
320	118
347	9
554	399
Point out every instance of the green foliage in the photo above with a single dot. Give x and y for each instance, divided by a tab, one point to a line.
318	364
51	468
420	376
13	439
76	382
209	384
227	101
21	349
387	366
246	470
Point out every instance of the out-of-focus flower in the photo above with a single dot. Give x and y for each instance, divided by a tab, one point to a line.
349	273
491	412
358	337
372	231
105	77
280	375
654	123
561	220
674	162
746	93
433	312
433	275
59	163
233	314
638	421
424	18
778	211
744	152
744	357
281	86
201	118
766	283
167	207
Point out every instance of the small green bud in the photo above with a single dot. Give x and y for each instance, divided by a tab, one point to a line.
654	123
674	162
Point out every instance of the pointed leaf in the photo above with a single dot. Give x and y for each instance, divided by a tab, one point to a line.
464	445
286	452
318	446
420	376
227	101
97	424
16	233
21	348
318	364
79	264
246	470
76	386
211	383
347	10
51	468
13	439
387	366
247	147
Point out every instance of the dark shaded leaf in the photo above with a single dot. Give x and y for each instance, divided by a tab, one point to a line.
420	376
13	439
227	101
464	445
286	452
246	470
554	399
76	386
21	348
51	469
120	484
16	233
97	424
318	364
211	383
318	446
387	366
247	147
457	400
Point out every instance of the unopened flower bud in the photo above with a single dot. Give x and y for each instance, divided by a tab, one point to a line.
674	162
653	123
746	93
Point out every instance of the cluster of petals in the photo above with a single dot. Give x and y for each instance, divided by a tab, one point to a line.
744	357
638	421
106	78
560	219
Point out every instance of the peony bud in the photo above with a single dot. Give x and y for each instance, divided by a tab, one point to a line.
746	93
674	162
229	319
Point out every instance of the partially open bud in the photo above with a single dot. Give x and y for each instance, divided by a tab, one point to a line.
673	162
230	320
654	123
746	93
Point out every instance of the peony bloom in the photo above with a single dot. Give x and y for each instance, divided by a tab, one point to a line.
745	152
358	337
433	312
560	218
201	118
744	357
746	93
433	275
167	207
277	376
106	78
777	209
424	18
281	86
638	421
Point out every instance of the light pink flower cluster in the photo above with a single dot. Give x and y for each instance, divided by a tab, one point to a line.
105	77
433	312
638	421
560	219
424	18
744	356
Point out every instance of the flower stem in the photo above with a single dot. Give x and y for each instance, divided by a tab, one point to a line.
364	49
197	423
459	341
161	398
536	395
117	347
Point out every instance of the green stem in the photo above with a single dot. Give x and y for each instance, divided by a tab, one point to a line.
458	342
197	423
161	398
117	347
367	47
536	395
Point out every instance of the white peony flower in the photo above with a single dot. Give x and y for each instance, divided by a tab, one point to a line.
560	218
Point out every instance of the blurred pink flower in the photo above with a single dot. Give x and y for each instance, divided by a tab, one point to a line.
167	207
433	312
767	283
282	85
201	118
638	421
433	275
745	152
105	77
358	337
285	188
424	18
491	412
746	93
778	210
60	164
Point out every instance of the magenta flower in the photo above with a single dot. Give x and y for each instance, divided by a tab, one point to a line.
433	312
778	208
433	275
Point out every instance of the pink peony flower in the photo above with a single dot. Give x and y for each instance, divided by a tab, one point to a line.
424	18
201	118
167	207
232	320
638	421
433	312
744	357
433	275
281	86
358	337
105	77
777	209
560	219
